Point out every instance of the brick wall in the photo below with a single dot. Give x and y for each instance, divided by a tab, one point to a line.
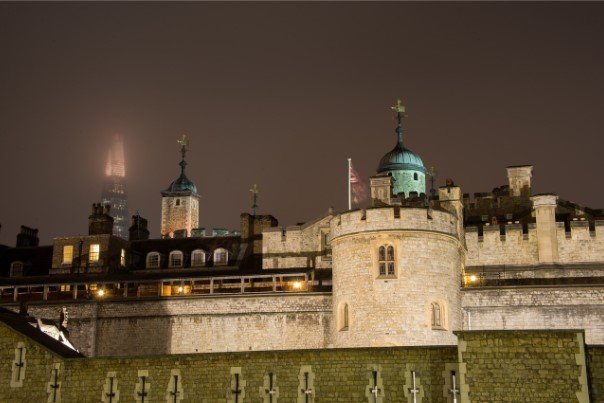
535	366
522	366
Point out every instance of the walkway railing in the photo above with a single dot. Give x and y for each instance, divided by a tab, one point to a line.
167	287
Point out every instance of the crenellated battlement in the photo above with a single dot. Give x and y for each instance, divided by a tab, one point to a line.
512	243
394	219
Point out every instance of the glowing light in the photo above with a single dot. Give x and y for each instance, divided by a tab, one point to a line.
101	292
180	289
473	278
297	285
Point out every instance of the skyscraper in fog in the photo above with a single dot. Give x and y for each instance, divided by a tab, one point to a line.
114	187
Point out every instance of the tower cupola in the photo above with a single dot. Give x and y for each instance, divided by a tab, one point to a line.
402	164
180	201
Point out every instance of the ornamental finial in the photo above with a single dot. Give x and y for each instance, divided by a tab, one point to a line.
255	190
184	146
399	109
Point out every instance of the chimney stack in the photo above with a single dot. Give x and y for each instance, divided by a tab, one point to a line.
100	222
138	230
28	237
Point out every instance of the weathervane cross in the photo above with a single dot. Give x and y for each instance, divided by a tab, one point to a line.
183	141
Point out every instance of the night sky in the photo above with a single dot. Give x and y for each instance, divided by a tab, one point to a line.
280	94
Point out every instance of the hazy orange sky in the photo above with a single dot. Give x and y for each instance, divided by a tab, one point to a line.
280	94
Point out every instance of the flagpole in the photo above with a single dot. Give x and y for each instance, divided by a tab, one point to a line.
349	190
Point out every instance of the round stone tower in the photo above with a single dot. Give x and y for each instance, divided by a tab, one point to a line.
396	277
402	164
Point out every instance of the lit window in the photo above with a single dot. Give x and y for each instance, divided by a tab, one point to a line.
176	258
198	258
123	257
221	257
386	260
16	269
67	254
153	260
94	253
437	316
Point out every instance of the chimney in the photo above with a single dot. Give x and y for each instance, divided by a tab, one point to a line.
519	180
28	237
100	222
381	189
138	230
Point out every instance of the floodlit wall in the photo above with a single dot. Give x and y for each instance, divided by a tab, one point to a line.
189	325
553	307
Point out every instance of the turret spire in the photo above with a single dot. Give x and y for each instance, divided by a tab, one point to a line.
399	109
184	144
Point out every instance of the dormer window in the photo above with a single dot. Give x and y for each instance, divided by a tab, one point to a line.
16	269
198	258
221	257
386	263
176	259
152	260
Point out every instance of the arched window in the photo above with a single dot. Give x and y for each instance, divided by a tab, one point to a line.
175	259
437	316
152	260
415	176
16	269
198	258
221	257
386	260
344	317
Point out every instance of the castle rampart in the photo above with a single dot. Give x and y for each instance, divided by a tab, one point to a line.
508	244
396	303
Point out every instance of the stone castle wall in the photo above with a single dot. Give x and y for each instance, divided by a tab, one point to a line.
516	248
523	367
188	325
296	246
396	310
536	308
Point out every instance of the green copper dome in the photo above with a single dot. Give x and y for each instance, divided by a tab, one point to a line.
182	184
405	167
401	158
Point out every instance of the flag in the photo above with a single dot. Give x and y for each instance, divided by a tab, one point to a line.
358	188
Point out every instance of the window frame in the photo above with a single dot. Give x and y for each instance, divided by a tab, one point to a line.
63	261
436	306
94	257
344	317
148	258
203	260
386	261
226	257
13	267
171	256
